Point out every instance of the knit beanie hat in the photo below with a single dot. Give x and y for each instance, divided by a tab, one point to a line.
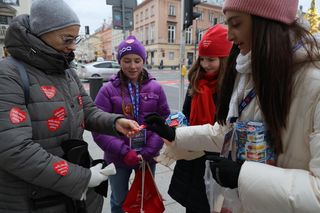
131	46
279	10
50	15
214	42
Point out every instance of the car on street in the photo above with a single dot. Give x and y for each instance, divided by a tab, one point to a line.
104	69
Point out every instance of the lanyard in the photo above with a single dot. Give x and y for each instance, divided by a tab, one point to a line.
134	99
297	46
244	103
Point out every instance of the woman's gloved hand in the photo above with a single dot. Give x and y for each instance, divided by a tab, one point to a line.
131	159
158	125
97	176
225	172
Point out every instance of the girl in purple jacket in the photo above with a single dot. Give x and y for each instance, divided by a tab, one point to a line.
134	93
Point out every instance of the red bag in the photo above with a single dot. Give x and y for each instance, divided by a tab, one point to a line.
151	201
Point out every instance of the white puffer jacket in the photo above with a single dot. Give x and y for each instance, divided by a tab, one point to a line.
294	185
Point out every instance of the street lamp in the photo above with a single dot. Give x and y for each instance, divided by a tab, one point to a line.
196	40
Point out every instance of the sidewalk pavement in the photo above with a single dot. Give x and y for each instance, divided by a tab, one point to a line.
162	178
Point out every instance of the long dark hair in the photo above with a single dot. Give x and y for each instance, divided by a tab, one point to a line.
196	73
273	72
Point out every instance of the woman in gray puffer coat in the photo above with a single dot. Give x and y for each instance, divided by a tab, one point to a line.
33	175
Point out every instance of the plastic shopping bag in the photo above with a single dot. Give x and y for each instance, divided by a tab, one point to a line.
143	196
221	199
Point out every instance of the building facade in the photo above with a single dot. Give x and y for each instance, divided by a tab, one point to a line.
103	43
8	10
157	24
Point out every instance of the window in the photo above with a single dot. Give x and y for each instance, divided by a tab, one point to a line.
215	21
172	10
115	65
171	33
10	2
137	18
152	11
200	35
171	56
212	19
5	19
221	19
147	13
189	35
152	33
141	16
103	65
142	35
147	35
201	15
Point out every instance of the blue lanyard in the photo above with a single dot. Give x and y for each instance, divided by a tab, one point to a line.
134	99
244	103
297	46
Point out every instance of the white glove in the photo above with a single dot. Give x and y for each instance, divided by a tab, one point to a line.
96	176
171	153
109	170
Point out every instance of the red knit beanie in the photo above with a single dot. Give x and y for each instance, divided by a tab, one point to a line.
214	42
279	10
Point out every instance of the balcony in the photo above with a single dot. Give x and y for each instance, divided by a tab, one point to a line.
3	30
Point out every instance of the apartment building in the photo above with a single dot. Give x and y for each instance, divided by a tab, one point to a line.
157	24
8	10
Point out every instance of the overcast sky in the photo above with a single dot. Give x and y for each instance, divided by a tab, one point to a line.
93	12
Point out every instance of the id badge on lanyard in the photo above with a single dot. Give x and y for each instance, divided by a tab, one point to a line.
139	139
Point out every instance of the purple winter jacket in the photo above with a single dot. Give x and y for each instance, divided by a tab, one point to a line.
152	99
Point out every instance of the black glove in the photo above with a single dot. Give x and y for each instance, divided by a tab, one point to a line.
158	125
76	151
225	172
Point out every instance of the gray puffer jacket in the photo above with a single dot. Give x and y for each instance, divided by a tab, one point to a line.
31	164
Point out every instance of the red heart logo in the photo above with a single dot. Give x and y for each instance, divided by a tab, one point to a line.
206	43
17	115
53	124
61	167
49	91
60	113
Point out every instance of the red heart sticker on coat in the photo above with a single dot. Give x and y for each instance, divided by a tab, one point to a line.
80	100
60	113
49	91
17	115
61	168
53	124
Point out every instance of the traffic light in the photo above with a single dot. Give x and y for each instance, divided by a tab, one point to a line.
189	15
86	30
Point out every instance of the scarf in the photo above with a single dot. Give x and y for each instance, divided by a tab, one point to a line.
243	68
203	108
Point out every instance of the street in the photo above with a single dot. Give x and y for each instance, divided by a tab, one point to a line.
170	81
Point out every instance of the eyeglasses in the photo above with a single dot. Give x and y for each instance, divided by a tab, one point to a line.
67	40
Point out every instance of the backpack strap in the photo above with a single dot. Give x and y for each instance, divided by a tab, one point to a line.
24	77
